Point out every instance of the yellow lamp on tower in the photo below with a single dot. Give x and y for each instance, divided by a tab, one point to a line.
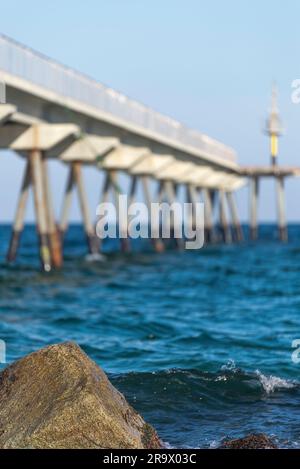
274	127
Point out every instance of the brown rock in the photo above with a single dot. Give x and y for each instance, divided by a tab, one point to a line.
58	398
259	441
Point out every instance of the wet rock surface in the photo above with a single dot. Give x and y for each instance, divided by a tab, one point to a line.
58	398
254	441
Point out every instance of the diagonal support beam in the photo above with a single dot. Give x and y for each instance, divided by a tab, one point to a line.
237	228
224	226
20	214
85	213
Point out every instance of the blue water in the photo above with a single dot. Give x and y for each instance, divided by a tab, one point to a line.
199	342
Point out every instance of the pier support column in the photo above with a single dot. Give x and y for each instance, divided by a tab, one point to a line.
156	241
36	168
171	190
64	220
88	226
224	226
131	199
191	198
122	218
237	228
111	183
20	214
282	228
53	234
132	191
254	193
209	231
104	196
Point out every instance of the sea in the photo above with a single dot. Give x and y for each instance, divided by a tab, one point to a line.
202	343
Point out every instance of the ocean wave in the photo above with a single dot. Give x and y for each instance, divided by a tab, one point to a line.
272	383
203	408
229	384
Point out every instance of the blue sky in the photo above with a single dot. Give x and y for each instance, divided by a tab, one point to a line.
209	64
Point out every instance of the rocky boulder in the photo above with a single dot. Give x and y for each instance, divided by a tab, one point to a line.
258	441
59	398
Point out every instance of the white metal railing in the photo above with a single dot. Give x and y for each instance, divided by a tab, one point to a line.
23	62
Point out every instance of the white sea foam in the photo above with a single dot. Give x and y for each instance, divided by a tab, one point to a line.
272	383
269	383
167	445
95	257
230	366
214	444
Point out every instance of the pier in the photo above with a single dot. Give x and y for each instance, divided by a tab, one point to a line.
53	112
279	174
